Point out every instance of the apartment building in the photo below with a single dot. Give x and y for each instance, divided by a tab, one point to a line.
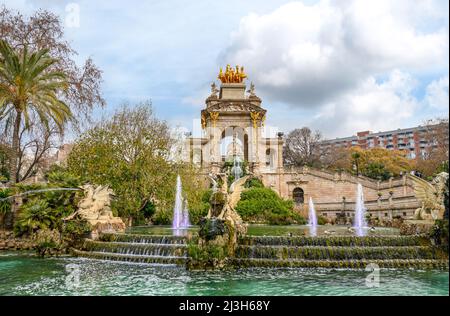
415	140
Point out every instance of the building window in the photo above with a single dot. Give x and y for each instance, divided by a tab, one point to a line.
404	213
385	214
324	214
298	195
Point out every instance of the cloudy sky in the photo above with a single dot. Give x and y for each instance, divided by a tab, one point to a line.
338	66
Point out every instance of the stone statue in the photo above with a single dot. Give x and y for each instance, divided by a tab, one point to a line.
232	75
214	90
251	90
222	226
431	195
95	208
223	203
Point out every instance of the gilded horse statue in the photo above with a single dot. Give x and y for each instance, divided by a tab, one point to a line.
232	75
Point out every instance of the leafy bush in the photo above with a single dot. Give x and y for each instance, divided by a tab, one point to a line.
144	215
259	194
264	205
162	217
440	233
5	205
63	179
377	170
45	208
75	231
201	210
35	215
253	183
321	220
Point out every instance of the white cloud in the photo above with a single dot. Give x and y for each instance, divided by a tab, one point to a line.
371	106
308	55
437	94
325	59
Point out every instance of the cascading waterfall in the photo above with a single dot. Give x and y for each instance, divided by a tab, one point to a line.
134	248
312	216
360	212
180	216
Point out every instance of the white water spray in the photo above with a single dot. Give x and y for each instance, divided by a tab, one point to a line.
185	223
312	216
360	212
180	216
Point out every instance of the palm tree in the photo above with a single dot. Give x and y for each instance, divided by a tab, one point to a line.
29	87
356	156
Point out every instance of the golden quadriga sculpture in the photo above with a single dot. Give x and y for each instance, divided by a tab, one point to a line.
232	75
95	208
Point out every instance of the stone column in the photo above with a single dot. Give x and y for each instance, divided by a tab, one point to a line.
255	152
214	152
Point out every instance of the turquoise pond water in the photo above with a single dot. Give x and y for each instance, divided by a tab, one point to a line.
25	274
269	230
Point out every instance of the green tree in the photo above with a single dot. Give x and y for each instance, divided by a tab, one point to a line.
131	152
43	29
28	89
356	156
375	163
4	162
376	170
37	31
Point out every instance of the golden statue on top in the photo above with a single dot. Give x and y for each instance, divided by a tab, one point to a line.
232	75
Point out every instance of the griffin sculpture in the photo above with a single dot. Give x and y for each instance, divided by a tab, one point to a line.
431	195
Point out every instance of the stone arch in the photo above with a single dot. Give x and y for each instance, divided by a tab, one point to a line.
298	195
239	136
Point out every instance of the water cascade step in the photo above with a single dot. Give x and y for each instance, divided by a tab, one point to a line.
136	248
339	252
351	252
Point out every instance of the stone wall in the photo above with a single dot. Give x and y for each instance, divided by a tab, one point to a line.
9	242
336	192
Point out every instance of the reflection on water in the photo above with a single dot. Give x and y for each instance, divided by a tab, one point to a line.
28	275
270	230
